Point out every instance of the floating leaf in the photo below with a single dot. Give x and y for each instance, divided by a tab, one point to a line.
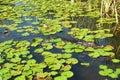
39	50
103	67
117	71
67	74
66	55
55	66
42	75
20	78
25	34
103	73
53	73
78	50
15	73
113	75
115	60
72	61
89	49
85	64
66	68
107	48
60	78
94	55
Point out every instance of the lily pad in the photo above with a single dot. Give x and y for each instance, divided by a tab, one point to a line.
103	67
60	78
67	74
39	50
72	61
66	55
85	64
20	78
115	60
25	34
113	75
66	68
103	73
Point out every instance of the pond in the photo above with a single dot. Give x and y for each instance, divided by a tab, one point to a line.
56	40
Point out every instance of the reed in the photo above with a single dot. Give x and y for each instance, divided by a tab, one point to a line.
109	9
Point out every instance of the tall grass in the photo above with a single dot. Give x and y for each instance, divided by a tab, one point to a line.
109	9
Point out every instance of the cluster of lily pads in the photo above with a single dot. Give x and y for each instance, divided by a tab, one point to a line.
88	35
48	17
18	62
105	71
104	51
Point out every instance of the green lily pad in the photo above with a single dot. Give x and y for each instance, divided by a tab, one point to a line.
15	60
9	65
26	67
45	53
117	71
37	40
66	68
109	71
85	64
89	49
39	50
35	23
94	55
69	46
66	55
108	48
20	78
30	56
42	65
103	73
49	47
72	61
113	75
15	73
42	75
34	44
103	67
55	66
28	72
115	60
7	76
60	78
28	19
32	61
50	60
1	60
67	74
56	40
53	73
78	50
25	34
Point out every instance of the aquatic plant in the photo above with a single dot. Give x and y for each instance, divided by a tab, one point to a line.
60	77
52	18
115	60
105	71
88	35
105	51
85	64
68	74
